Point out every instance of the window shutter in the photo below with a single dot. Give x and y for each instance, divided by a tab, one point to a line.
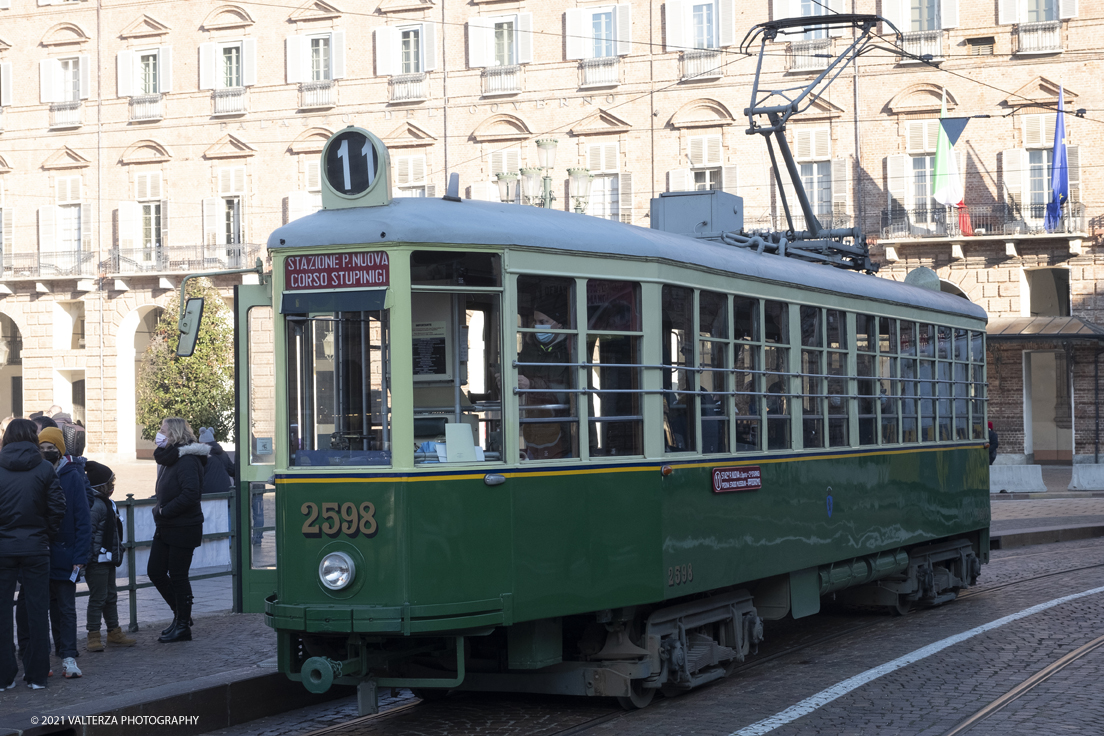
130	225
429	47
5	4
726	23
431	190
675	19
822	144
418	168
803	145
484	190
679	180
713	150
67	189
841	188
297	58
249	62
948	14
921	136
1016	172
524	26
622	15
897	182
836	7
85	71
5	84
480	43
7	236
402	171
49	70
164	223
141	186
697	151
625	192
231	180
1073	161
506	160
314	176
387	51
337	54
576	42
86	227
47	228
164	69
154	185
1008	12
212	209
1067	8
299	205
208	67
730	180
897	13
1039	130
124	65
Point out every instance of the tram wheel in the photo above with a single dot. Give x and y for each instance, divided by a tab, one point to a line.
429	694
902	606
639	696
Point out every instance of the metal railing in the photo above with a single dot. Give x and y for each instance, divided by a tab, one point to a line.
501	80
181	258
65	114
702	64
601	71
49	264
1044	37
408	87
322	93
229	101
921	43
809	56
977	220
145	107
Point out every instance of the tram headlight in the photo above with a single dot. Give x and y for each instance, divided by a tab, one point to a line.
337	570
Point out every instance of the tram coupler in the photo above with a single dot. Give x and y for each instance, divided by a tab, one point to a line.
319	673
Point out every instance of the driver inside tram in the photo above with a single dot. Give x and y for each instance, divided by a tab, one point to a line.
545	440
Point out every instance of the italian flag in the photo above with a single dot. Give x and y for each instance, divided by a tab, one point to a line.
946	185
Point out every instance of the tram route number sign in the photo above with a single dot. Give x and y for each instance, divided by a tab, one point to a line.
337	271
734	480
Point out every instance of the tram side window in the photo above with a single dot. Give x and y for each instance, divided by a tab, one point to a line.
977	385
713	346
943	383
547	378
749	381
925	344
776	366
457	358
613	347
909	385
961	386
866	341
888	385
679	383
339	399
812	373
838	434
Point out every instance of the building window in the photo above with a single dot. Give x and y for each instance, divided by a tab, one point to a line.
411	51
705	179
410	175
924	15
70	80
816	178
320	59
703	26
602	30
605	190
812	9
1039	162
69	227
504	43
317	58
599	33
147	78
231	66
1041	10
232	218
923	171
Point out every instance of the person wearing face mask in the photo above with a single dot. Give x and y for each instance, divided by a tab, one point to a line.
68	550
179	518
545	440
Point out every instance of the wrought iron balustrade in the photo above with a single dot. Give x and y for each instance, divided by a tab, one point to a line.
229	101
145	107
977	220
408	87
1044	37
322	93
501	80
809	56
601	71
924	43
50	264
65	114
183	258
702	64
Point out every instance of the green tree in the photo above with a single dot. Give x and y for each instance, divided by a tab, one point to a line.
200	388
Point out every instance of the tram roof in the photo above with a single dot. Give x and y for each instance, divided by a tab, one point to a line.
474	222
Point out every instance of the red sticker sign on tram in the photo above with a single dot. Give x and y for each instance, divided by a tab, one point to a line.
337	271
732	480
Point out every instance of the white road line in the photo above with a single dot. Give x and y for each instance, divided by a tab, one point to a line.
810	704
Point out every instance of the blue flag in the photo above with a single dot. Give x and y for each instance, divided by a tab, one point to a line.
1059	176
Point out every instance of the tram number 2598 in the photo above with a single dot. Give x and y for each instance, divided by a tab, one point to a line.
679	574
339	519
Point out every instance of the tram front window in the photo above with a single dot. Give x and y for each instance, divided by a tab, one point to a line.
339	404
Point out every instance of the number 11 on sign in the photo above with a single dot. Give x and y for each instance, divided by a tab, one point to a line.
343	154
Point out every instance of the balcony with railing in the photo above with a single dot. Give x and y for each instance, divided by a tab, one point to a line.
998	220
702	64
229	101
322	93
601	71
809	56
409	87
501	80
145	107
49	264
923	43
181	258
1044	37
65	114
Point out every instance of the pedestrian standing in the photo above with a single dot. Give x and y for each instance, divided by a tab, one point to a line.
178	517
994	443
32	507
104	557
68	550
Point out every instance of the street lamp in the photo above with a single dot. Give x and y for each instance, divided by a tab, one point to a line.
507	186
579	184
546	160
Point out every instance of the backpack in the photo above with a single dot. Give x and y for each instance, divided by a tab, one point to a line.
75	437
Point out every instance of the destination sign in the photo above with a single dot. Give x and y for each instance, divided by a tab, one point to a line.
732	480
337	271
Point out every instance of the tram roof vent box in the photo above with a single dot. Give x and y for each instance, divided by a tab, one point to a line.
703	214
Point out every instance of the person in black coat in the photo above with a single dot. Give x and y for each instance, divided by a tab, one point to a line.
178	517
32	506
994	443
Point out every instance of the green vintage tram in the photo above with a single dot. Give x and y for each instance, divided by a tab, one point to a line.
520	449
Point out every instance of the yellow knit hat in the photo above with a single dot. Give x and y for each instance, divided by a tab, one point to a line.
54	436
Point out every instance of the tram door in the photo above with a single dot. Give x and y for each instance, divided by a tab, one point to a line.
255	432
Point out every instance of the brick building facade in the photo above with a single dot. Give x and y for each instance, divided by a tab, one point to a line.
143	142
